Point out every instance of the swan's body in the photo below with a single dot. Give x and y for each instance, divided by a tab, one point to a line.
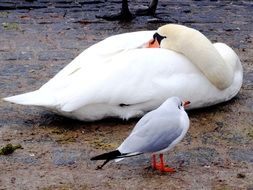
120	77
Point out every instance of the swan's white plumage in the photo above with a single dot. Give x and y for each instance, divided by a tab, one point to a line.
103	51
119	77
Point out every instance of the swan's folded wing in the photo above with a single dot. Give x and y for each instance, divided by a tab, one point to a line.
132	77
100	52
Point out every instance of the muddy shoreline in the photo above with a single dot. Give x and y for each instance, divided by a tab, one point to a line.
38	38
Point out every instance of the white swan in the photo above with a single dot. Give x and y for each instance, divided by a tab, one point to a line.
121	77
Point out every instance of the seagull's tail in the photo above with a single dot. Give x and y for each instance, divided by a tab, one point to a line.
37	98
113	155
108	156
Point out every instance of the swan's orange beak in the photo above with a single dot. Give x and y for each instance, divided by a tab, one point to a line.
186	103
153	44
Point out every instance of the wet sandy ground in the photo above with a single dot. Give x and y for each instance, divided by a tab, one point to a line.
39	38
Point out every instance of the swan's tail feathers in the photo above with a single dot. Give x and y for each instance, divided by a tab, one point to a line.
36	98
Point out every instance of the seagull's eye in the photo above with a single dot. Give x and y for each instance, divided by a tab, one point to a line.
180	105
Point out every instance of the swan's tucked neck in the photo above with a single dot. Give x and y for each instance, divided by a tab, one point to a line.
200	51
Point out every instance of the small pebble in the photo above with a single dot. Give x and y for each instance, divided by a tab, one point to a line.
240	175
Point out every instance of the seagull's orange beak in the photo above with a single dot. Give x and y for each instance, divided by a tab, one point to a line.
186	103
153	44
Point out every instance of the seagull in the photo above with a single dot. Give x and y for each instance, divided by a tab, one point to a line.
126	15
156	132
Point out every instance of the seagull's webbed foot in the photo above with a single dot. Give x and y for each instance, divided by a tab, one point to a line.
163	168
160	166
102	165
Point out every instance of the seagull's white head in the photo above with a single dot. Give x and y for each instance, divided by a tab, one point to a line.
176	102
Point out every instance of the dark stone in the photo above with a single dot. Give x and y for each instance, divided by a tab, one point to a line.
19	69
54	55
198	156
66	6
90	1
248	81
20	159
187	11
71	45
241	155
30	6
67	157
137	161
7	6
8	56
240	175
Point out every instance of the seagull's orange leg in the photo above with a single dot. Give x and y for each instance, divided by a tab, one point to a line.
153	161
161	166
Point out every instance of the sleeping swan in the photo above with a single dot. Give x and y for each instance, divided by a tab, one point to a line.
129	74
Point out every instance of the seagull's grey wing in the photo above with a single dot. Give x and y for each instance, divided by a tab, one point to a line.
157	134
143	121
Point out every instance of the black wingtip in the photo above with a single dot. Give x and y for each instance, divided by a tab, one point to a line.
107	156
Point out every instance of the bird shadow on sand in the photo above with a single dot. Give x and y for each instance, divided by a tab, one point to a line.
50	119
